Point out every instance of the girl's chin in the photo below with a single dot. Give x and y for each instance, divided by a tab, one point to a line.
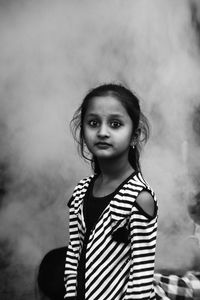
103	156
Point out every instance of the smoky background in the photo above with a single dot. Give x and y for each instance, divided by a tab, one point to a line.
51	53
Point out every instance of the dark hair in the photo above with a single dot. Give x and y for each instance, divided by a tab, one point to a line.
131	103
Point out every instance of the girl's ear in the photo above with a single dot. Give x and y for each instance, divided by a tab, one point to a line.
135	137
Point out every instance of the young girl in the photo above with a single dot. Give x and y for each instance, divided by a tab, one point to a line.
113	213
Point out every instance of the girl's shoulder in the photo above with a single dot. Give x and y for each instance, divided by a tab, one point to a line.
146	198
146	201
137	181
82	184
84	181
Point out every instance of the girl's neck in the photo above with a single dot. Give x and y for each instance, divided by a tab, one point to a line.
113	171
111	176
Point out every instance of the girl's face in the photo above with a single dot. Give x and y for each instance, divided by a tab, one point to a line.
107	128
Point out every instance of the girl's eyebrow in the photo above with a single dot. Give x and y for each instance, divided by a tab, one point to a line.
114	115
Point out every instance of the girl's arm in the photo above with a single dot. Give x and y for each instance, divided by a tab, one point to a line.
143	228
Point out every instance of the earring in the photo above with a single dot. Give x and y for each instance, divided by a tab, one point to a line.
132	145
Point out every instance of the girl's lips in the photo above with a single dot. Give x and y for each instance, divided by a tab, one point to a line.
103	145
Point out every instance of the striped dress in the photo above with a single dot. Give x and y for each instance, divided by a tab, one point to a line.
115	269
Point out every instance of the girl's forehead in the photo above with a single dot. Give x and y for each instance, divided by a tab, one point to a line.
106	104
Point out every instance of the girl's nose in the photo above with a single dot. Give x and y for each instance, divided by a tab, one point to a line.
103	131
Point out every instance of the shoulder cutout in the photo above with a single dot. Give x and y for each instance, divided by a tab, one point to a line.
146	202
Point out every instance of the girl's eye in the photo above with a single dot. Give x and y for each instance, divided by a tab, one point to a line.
92	123
115	124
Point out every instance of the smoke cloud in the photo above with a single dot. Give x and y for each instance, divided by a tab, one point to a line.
51	54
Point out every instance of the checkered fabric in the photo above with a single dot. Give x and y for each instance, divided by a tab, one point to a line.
173	287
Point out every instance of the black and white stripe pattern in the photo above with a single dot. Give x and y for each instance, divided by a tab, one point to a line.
115	270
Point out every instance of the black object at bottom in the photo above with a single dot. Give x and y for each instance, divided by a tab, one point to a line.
51	274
